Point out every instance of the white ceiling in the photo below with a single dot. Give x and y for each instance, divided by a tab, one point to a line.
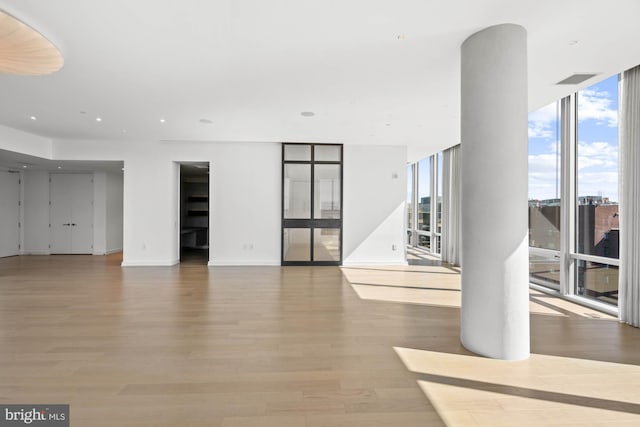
372	71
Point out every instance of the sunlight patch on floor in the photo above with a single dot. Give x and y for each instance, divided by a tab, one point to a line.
540	391
440	285
409	296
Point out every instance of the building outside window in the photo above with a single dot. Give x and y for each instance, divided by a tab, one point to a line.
423	227
424	203
544	196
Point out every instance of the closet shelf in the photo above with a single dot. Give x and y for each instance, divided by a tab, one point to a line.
198	212
198	198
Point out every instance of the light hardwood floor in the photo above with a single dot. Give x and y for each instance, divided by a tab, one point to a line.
295	346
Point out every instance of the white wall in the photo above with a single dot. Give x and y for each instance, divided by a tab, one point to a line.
36	213
99	213
245	199
114	218
107	213
245	184
375	188
9	213
246	204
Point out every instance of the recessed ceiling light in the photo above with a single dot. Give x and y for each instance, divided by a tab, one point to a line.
98	119
162	120
33	118
307	114
24	166
59	167
206	121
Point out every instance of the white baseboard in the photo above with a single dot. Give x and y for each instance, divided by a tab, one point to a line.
149	263
35	252
109	252
245	263
376	263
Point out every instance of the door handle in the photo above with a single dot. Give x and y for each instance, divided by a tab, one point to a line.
66	225
73	225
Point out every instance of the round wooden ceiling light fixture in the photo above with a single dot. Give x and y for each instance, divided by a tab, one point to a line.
24	51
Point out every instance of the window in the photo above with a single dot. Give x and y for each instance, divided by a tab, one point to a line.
544	195
597	225
424	204
410	205
573	194
438	224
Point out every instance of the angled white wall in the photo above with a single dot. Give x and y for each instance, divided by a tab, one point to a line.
100	213
108	217
375	188
35	206
9	213
114	215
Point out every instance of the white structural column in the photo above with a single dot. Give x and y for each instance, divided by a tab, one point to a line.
495	269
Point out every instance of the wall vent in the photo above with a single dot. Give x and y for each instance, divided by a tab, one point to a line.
576	79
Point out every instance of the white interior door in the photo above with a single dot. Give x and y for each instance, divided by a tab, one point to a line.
82	214
9	214
60	214
71	214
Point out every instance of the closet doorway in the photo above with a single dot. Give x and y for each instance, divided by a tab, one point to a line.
71	213
194	213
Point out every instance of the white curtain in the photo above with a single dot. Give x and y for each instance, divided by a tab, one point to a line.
451	213
629	279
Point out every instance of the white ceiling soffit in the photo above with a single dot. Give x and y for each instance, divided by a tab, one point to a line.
13	161
353	72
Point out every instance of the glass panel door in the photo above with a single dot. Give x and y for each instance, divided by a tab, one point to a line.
311	204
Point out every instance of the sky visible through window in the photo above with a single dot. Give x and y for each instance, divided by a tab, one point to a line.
597	145
424	178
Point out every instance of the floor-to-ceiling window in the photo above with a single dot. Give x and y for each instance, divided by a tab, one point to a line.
597	226
438	220
573	194
424	203
544	195
423	226
410	202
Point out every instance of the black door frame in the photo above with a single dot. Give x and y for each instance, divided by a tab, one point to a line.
311	223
